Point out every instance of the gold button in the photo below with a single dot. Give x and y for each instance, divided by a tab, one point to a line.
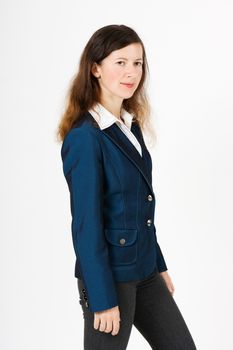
122	241
149	197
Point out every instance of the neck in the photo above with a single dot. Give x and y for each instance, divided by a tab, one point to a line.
114	108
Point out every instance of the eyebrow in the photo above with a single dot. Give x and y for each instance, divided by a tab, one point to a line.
120	58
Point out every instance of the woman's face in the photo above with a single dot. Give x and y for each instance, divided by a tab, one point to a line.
121	67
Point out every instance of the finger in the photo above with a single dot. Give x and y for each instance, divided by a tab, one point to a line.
172	290
116	327
102	325
108	326
172	287
96	322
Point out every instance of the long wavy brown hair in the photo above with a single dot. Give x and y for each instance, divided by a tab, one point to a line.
84	91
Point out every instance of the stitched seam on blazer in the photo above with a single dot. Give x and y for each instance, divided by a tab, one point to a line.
138	191
119	179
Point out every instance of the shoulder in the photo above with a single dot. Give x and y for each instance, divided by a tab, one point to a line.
82	141
83	131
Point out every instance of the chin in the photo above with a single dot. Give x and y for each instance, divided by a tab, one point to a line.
127	95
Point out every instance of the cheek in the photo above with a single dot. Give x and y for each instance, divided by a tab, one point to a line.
140	75
112	75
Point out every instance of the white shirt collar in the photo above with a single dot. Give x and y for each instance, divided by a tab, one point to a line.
105	118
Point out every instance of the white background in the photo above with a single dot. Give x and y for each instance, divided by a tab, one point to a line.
189	49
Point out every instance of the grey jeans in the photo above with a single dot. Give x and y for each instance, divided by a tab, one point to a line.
150	307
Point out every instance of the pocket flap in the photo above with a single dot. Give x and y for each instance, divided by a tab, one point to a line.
121	237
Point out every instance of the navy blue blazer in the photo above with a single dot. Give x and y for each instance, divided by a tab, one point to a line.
112	206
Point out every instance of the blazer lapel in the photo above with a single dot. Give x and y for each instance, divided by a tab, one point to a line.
114	133
135	128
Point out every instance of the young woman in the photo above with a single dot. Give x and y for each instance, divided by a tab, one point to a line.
121	273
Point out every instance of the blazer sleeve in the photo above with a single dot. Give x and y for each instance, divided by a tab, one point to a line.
160	260
161	264
82	166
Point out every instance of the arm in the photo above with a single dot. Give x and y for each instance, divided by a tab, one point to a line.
82	167
160	258
163	270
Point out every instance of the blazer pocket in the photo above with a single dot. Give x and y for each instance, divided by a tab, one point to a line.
123	245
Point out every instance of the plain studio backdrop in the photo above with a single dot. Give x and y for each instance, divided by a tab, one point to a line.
190	54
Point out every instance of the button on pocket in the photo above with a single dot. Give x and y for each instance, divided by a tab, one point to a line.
122	245
122	241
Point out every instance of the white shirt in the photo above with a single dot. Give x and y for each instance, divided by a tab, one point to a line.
104	118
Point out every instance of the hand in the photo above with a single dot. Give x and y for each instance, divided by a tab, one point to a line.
108	320
168	281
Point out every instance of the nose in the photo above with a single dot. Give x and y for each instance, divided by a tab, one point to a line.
131	70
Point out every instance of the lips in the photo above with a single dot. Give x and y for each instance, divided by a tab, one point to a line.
128	84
